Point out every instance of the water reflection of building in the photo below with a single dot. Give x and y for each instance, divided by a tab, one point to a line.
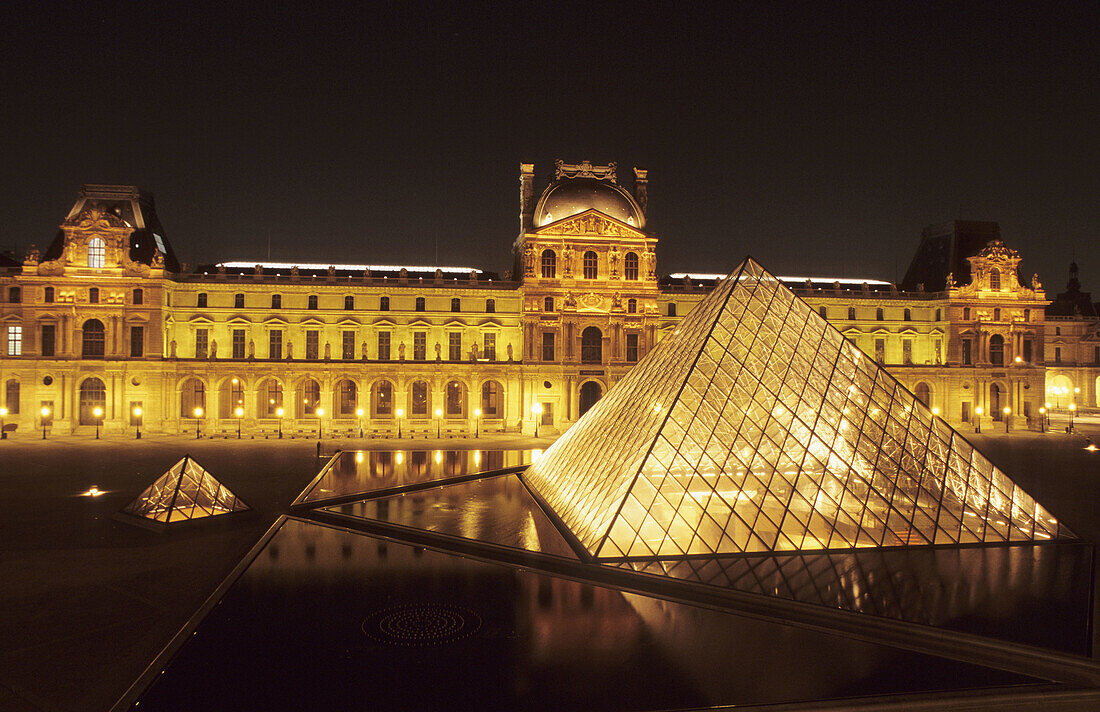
107	318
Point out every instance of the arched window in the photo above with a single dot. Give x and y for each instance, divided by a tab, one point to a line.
11	396
309	398
455	400
93	395
997	350
924	393
994	279
548	304
192	396
347	398
631	306
549	264
93	342
93	295
492	400
591	265
851	313
907	315
590	393
880	314
383	304
311	302
238	301
420	303
200	301
97	253
630	266
381	400
270	399
592	345
418	400
456	304
231	397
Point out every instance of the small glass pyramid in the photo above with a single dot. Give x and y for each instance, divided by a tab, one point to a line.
756	426
186	491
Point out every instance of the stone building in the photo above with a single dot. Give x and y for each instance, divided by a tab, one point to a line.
106	327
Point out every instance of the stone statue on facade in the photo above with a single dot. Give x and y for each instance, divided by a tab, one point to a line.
509	353
438	352
364	350
529	260
401	351
172	349
949	282
32	255
613	259
328	351
251	349
213	349
1035	283
294	272
474	353
332	271
289	350
567	260
158	260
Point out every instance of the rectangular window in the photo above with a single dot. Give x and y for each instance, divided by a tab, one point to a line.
201	302
137	341
139	296
490	306
1096	354
347	346
15	340
49	339
547	414
454	346
672	309
490	350
15	295
238	343
276	301
1057	354
383	346
907	352
631	347
880	350
275	344
1027	350
11	396
965	412
824	312
200	343
547	346
420	345
313	339
47	295
967	355
238	301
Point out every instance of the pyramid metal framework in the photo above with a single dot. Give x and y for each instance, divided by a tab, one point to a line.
756	426
186	491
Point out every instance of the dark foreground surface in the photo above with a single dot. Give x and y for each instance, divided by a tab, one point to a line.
88	602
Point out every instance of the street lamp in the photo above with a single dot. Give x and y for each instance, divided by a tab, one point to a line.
477	422
239	412
137	421
1072	412
438	422
198	423
359	415
98	413
400	414
320	412
1008	412
279	414
1042	420
3	433
536	410
45	414
978	420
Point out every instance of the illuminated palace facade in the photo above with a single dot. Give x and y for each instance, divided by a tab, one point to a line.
105	327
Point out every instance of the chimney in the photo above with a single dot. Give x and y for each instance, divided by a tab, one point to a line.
641	188
526	195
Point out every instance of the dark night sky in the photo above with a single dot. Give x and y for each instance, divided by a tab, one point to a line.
820	140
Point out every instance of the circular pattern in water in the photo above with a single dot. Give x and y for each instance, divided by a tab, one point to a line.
421	624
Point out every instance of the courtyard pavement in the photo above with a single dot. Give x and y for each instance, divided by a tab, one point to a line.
87	601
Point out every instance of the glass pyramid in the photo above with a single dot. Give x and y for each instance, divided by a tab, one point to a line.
756	426
186	491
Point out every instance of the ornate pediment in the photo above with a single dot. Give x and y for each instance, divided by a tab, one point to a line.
95	217
590	222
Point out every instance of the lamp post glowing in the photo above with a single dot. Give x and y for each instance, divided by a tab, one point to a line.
1042	420
1072	412
320	412
3	414
198	423
359	416
438	423
536	410
1008	412
978	420
400	414
137	421
1046	418
45	414
477	422
98	413
935	410
279	414
239	412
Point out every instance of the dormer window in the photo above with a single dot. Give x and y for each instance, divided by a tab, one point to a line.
97	253
591	265
995	279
